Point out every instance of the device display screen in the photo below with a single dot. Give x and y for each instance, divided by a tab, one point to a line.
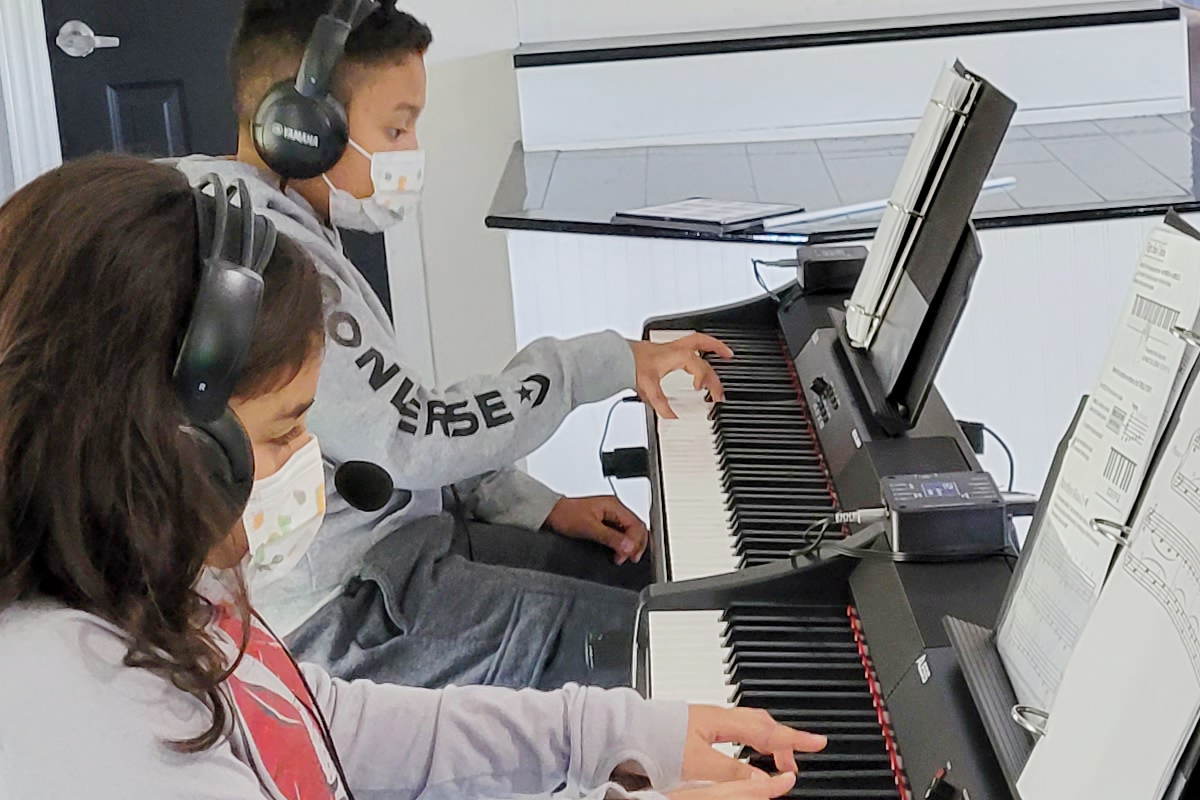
941	489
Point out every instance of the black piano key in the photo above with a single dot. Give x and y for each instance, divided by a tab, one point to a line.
730	444
774	426
826	760
801	670
775	549
771	458
813	636
854	720
766	678
821	781
804	791
748	654
771	699
796	478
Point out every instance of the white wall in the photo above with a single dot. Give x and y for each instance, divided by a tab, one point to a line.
7	182
560	20
468	129
30	145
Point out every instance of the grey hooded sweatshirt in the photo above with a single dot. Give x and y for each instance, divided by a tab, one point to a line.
371	407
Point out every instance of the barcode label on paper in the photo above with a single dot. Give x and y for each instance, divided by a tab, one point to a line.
1156	314
1119	470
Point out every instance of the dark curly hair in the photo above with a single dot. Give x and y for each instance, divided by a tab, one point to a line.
272	35
105	505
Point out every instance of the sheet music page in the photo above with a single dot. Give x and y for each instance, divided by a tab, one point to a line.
1067	562
895	229
1130	696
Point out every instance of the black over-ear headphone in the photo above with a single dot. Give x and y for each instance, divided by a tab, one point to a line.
234	245
299	129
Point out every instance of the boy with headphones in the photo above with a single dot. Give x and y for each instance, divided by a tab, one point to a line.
328	99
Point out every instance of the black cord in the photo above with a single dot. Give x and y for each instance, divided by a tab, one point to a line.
1012	463
864	553
758	277
819	546
604	440
815	545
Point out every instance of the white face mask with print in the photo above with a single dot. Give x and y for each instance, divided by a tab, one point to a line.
283	516
398	176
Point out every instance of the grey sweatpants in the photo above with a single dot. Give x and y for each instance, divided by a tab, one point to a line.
425	611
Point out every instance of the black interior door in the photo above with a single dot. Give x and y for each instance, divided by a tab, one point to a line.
162	90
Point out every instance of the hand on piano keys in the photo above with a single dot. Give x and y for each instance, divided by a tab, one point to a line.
751	727
741	482
656	360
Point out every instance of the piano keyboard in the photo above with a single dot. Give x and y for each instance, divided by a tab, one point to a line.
804	664
743	481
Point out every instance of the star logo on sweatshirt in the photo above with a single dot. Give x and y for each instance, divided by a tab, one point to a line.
534	390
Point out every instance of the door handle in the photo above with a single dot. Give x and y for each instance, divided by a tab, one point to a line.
78	40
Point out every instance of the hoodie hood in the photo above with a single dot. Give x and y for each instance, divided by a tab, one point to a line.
264	191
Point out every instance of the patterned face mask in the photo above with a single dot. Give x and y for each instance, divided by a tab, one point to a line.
284	514
398	176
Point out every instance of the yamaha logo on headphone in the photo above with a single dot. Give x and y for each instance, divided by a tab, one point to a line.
300	137
321	133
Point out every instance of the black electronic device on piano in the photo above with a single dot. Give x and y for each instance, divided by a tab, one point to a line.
852	647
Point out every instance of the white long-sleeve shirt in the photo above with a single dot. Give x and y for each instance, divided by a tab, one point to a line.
76	723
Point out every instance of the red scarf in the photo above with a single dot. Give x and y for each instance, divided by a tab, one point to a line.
281	726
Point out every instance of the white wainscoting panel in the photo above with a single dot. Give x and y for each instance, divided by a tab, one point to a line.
1055	75
1029	346
567	285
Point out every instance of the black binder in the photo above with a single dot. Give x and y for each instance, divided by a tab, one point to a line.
975	648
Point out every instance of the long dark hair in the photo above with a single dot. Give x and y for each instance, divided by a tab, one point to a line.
105	505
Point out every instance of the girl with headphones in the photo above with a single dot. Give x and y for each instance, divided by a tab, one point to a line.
159	350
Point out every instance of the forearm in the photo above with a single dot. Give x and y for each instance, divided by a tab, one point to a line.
492	742
371	408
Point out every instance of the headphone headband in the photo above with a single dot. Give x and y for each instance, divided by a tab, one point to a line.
234	245
327	44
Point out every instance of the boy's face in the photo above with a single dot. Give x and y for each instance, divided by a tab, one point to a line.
383	114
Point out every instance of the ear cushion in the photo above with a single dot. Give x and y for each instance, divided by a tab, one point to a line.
228	455
299	137
217	339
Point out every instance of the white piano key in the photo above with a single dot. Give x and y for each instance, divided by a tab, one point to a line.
688	660
698	528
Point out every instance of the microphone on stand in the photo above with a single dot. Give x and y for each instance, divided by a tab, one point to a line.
367	486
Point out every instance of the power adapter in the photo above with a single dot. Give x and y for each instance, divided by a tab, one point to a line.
828	270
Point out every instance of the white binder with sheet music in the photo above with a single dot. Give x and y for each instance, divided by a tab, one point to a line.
1099	656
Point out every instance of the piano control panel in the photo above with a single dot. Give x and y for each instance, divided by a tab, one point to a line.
858	453
825	402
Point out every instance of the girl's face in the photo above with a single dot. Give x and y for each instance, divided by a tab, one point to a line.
276	423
